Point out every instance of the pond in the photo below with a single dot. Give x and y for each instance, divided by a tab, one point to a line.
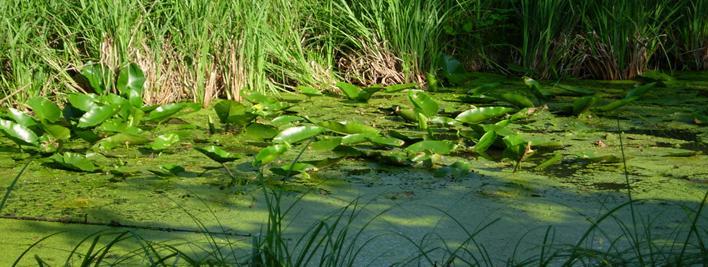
571	171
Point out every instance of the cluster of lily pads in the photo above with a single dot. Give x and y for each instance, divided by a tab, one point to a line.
114	115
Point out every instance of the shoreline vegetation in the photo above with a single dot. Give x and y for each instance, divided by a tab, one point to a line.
203	50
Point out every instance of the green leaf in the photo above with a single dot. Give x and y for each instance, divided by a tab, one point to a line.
48	144
296	134
484	88
350	91
95	74
385	140
164	141
269	154
18	133
257	131
399	87
423	103
231	112
285	120
326	144
21	118
536	87
57	131
440	120
555	159
515	146
485	141
74	162
83	102
455	170
615	104
96	116
477	115
121	139
432	147
130	84
166	111
348	127
44	109
265	104
574	90
408	115
582	104
217	154
168	170
308	90
517	100
289	169
639	91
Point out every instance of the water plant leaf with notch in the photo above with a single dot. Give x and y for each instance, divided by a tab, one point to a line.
485	142
121	139
164	141
536	87
296	134
285	120
477	115
18	133
97	115
308	91
290	168
399	87
582	104
356	93
374	138
169	170
348	127
258	131
217	154
166	111
232	112
130	84
270	153
441	147
44	109
423	103
57	131
516	99
326	144
73	162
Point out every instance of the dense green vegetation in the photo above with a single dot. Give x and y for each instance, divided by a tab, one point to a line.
224	102
201	50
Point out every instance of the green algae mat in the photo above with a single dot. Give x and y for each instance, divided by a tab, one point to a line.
514	155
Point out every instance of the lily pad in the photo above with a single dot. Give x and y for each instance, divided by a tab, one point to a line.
96	116
477	115
348	127
166	111
423	103
441	147
44	109
232	112
21	118
269	154
164	141
130	84
217	154
257	131
74	162
296	134
308	90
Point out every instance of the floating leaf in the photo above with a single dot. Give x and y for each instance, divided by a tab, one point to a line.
326	144
574	90
348	127
290	169
457	169
356	93
18	133
269	154
168	170
582	104
83	102
615	105
353	139
164	141
432	146
484	88
423	103
74	162
96	116
399	87
266	103
477	115
308	90
166	111
536	87
444	121
284	120
257	131
44	109
121	139
639	91
486	141
517	100
21	118
408	114
296	134
555	159
515	146
232	112
130	84
217	154
48	144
